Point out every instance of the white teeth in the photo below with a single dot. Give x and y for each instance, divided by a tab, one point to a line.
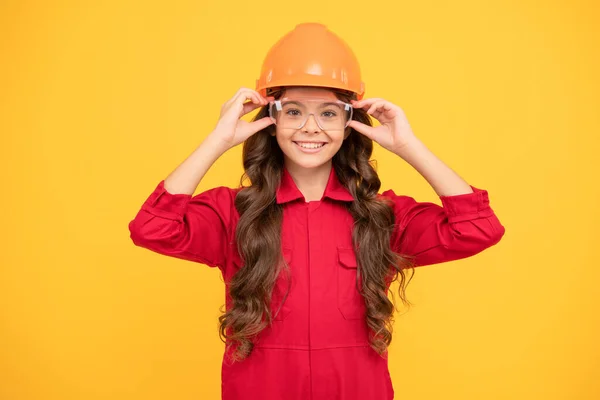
310	145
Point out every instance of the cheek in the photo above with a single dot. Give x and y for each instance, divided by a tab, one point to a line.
284	135
283	138
337	138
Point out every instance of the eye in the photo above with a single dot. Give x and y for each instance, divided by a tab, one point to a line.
329	114
293	112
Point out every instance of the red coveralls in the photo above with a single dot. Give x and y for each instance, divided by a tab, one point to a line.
317	347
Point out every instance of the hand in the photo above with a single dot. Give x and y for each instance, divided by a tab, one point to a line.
394	132
230	129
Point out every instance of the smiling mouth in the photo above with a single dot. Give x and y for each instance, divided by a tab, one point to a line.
310	145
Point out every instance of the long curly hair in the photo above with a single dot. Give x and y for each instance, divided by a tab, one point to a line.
258	236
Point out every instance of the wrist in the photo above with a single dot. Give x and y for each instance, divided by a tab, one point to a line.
216	143
408	147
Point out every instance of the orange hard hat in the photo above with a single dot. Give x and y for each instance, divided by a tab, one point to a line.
311	55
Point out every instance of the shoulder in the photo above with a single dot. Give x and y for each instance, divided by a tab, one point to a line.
389	194
396	201
221	193
406	208
221	199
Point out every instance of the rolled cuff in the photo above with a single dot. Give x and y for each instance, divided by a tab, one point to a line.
167	205
467	206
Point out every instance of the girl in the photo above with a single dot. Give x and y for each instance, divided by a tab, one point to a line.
309	249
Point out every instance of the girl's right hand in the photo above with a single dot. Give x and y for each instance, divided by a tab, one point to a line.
232	130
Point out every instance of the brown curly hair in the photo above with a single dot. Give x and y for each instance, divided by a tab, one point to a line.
259	243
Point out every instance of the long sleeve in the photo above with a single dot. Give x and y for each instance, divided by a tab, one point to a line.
462	226
195	228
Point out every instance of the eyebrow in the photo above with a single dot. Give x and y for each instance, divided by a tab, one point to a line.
332	104
286	102
329	103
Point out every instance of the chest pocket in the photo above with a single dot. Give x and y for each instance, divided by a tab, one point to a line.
350	302
280	301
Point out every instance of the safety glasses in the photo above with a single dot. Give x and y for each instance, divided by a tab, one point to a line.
294	113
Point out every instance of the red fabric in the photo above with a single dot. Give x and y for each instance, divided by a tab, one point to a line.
317	347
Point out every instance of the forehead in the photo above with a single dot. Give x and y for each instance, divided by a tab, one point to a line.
309	92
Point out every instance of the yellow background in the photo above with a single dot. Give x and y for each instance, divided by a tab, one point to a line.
101	100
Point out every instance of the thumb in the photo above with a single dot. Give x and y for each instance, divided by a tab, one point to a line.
366	130
261	124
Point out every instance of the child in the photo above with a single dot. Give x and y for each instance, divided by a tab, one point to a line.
309	249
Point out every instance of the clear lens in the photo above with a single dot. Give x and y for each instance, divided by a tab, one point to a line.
294	113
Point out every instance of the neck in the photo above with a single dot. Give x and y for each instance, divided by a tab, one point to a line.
310	181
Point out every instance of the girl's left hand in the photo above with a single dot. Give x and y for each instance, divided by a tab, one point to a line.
394	132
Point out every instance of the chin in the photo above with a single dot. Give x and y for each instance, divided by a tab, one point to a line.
307	162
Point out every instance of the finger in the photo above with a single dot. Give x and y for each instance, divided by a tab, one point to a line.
244	89
236	95
247	94
270	99
266	99
366	130
250	106
377	115
248	97
365	103
381	108
385	111
260	124
263	101
377	106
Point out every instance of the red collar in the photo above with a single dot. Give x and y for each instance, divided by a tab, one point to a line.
288	191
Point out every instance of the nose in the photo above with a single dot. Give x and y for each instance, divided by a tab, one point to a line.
311	125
